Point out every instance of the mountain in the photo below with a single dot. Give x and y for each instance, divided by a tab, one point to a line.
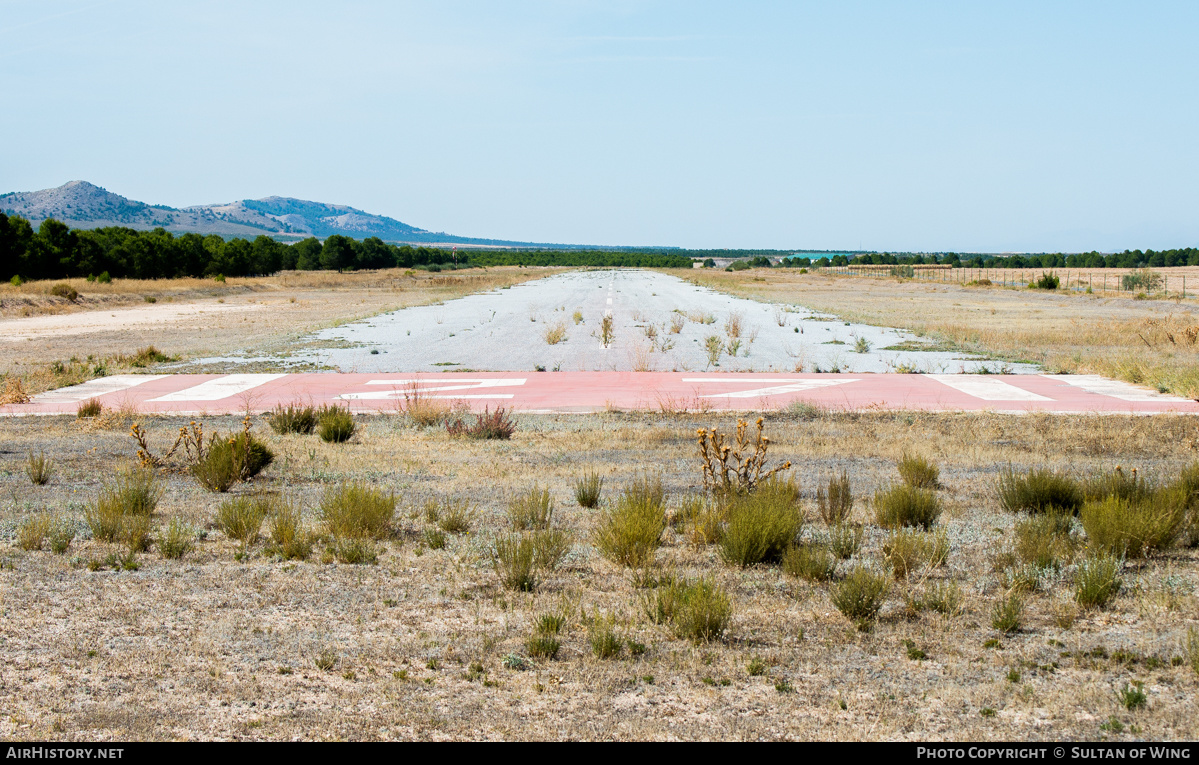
80	204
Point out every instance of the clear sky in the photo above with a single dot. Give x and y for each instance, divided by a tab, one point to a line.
968	126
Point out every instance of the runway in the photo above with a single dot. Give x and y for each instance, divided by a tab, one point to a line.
604	391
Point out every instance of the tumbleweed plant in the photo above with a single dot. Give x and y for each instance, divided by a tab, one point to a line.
736	465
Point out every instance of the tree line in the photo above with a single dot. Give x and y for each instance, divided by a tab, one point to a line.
1188	256
56	251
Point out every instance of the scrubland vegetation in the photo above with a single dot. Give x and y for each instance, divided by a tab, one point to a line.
602	576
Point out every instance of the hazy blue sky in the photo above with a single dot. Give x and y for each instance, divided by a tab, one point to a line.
917	126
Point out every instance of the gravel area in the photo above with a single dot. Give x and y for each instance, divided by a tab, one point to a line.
658	322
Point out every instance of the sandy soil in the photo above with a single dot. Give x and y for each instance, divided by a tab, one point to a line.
225	645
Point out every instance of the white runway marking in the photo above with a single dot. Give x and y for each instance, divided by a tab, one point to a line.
788	386
1114	388
222	387
987	388
93	388
403	388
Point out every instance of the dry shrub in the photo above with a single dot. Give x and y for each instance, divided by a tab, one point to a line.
231	460
1038	491
176	540
836	502
488	425
860	596
844	540
455	516
1008	613
762	525
39	468
631	532
355	510
588	488
1134	528
89	409
293	418
424	410
908	550
241	518
14	392
1097	580
735	467
514	557
33	531
918	472
556	333
699	611
1045	540
335	424
812	562
942	597
358	551
531	510
906	505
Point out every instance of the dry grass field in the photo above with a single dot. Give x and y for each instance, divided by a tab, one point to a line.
233	640
1152	342
300	604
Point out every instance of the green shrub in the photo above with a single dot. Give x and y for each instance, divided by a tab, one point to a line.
456	516
811	562
646	489
631	532
918	472
1047	281
604	641
1044	540
64	290
699	611
1038	491
1131	487
132	494
1133	528
588	488
39	468
435	539
761	525
289	539
514	557
1188	485
357	551
531	510
1097	580
908	550
241	518
543	646
356	510
335	424
230	460
860	595
61	536
906	505
844	540
176	540
549	624
550	547
135	533
32	531
1132	696
836	502
1024	578
1008	613
942	597
292	418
